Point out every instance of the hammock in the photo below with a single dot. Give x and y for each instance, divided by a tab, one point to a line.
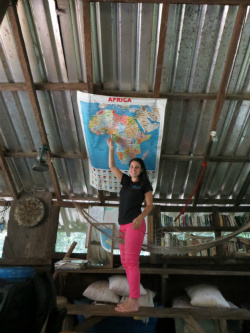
170	250
151	247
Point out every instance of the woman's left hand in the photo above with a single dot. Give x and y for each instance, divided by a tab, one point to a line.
136	223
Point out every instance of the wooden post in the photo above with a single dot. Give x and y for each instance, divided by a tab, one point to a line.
70	250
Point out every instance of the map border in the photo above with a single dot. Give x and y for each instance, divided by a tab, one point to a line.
97	175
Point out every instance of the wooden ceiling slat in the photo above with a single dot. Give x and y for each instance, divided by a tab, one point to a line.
24	61
162	40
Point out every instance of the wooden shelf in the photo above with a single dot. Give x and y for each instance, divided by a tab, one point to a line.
159	271
25	262
203	229
109	310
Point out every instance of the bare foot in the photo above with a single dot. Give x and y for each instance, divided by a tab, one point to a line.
119	304
132	305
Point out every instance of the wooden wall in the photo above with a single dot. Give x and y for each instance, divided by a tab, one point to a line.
35	242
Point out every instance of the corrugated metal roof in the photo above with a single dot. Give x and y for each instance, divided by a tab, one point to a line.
125	44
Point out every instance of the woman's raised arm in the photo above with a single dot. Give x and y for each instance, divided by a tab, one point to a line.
117	172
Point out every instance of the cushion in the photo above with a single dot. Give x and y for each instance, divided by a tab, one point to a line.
206	296
181	302
99	291
119	285
144	300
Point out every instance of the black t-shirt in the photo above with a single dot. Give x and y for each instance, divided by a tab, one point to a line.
132	195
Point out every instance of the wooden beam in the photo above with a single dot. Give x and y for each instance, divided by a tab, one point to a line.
167	205
217	159
162	41
101	197
6	199
196	313
61	86
15	154
88	46
179	158
7	175
25	262
114	201
24	61
179	2
49	86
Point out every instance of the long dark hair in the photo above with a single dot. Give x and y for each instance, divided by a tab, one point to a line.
143	178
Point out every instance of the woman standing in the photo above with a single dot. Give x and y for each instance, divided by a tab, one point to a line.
135	189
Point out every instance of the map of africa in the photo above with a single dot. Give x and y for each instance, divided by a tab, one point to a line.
135	129
129	130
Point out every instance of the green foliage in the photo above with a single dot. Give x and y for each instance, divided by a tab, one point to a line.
2	238
63	242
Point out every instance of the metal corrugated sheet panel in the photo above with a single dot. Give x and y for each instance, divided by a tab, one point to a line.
56	39
125	39
197	41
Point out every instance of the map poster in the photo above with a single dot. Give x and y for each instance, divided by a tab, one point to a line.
136	126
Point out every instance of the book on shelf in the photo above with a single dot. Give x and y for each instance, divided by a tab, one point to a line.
207	220
71	264
203	220
230	220
235	246
167	220
195	220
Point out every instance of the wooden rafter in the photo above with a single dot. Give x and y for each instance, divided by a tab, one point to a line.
7	175
88	47
238	26
101	197
162	41
34	155
180	158
60	86
179	2
170	205
24	61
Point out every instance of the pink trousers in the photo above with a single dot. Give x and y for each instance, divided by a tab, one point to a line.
130	253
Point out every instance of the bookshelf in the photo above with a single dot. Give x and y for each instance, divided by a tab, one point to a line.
196	227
